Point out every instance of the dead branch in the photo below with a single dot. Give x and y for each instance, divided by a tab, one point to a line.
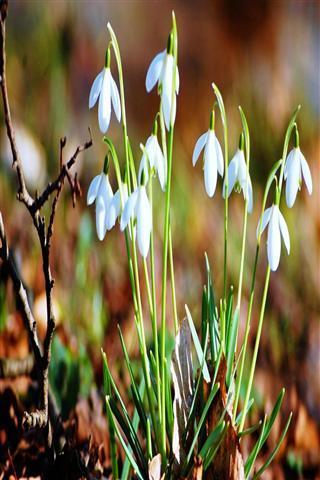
39	418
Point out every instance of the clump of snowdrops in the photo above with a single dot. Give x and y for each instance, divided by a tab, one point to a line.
188	419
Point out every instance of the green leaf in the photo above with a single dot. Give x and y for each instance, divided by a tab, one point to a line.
202	419
123	443
254	453
212	439
231	344
198	348
275	450
250	430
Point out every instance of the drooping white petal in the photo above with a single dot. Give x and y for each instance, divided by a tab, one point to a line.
95	89
143	167
104	111
128	210
198	147
158	161
264	222
232	175
154	71
220	163
177	80
144	222
274	239
151	150
284	232
250	195
293	179
306	172
166	95
210	166
93	189
288	163
242	169
100	217
115	98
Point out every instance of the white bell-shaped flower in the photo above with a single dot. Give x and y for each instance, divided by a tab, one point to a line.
105	88
277	227
161	71
138	207
212	156
100	191
238	177
295	168
152	155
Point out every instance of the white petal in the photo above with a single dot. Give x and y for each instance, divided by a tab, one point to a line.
100	218
95	89
154	71
288	163
151	149
306	172
144	222
293	179
232	175
274	239
242	172
128	210
284	231
177	80
143	168
264	222
93	189
199	146
104	111
220	163
210	166
115	99
250	196
160	164
166	96
166	109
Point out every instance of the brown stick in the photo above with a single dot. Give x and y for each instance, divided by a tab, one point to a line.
34	205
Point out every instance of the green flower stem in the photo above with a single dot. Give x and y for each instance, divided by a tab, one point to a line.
173	285
267	278
154	302
225	137
256	348
164	286
149	295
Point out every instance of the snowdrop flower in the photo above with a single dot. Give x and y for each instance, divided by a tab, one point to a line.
213	159
161	71
100	191
277	228
237	176
296	166
106	89
138	207
153	155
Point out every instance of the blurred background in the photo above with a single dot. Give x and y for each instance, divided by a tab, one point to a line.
263	56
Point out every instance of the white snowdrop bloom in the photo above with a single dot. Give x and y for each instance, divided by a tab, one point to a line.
105	88
277	228
138	207
161	71
153	155
213	159
100	191
117	203
237	178
295	168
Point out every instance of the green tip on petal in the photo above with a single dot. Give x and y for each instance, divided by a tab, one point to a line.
108	57
155	126
241	142
212	120
170	44
296	136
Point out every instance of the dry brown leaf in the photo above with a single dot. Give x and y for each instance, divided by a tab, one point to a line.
228	463
181	369
197	471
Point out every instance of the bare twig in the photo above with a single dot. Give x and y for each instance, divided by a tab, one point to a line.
34	205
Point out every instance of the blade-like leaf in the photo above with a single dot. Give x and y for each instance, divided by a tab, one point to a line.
198	348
